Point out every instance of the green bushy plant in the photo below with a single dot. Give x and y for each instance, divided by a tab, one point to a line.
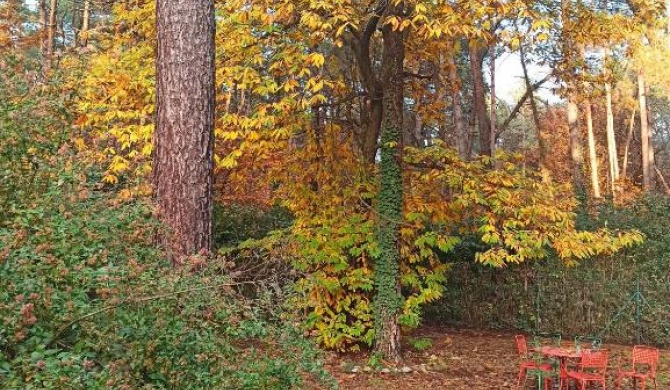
86	301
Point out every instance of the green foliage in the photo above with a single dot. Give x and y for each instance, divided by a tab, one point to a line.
86	301
87	304
387	300
578	300
421	343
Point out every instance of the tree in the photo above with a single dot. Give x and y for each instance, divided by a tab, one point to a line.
183	139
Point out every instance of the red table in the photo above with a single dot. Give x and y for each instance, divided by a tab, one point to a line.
563	354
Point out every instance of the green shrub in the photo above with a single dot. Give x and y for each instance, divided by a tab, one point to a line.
87	303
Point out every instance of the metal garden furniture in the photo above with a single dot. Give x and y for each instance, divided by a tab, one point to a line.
645	362
591	369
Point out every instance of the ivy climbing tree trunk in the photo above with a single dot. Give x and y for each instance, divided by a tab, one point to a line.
183	141
388	301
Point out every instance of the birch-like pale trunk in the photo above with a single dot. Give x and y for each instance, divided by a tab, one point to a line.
593	157
611	140
644	131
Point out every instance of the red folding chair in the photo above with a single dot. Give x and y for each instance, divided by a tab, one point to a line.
642	356
527	364
592	368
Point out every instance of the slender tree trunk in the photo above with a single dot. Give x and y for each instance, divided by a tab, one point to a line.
85	22
533	106
479	97
51	34
652	153
629	139
459	123
611	140
183	161
576	153
644	132
593	157
387	300
492	119
43	34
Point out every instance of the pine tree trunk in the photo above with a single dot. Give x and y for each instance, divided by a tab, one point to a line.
459	124
611	140
479	97
593	157
51	35
387	300
492	119
644	132
43	33
85	22
629	139
183	141
576	153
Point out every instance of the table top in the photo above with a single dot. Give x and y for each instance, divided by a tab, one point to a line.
560	352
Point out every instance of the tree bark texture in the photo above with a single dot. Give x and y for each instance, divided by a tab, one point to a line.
479	97
593	157
85	23
183	141
459	121
51	35
492	119
611	140
629	139
576	152
387	301
644	132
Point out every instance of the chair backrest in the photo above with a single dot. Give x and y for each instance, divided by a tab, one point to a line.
595	360
648	356
521	346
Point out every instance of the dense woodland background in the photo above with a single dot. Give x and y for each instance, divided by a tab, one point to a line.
207	195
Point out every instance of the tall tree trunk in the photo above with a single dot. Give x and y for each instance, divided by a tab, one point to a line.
576	153
387	300
459	124
492	119
85	23
43	34
593	157
644	132
183	162
629	139
51	35
479	97
611	141
652	153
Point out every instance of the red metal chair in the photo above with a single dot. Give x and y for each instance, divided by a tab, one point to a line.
642	356
592	368
527	364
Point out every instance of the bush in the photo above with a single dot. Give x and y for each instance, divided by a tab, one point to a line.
86	301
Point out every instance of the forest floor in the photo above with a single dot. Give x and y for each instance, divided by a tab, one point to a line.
459	360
